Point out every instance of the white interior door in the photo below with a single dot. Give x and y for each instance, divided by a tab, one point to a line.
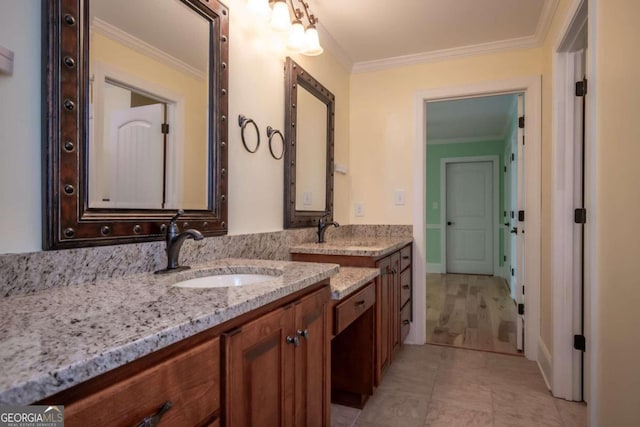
469	215
518	226
136	146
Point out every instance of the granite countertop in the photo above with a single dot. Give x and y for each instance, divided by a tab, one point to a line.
372	247
350	279
60	337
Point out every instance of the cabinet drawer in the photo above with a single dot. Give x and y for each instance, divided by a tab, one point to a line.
189	380
352	307
405	287
405	322
405	257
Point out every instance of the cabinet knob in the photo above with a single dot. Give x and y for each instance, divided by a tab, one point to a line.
293	340
405	286
359	304
153	420
406	257
304	333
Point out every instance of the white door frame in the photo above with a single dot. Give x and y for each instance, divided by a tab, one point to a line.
532	87
564	274
495	164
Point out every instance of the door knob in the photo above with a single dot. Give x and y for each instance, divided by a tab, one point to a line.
450	222
514	230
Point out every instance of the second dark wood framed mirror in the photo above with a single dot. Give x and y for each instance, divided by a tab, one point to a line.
135	119
309	147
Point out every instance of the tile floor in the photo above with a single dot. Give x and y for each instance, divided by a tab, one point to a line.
471	311
444	386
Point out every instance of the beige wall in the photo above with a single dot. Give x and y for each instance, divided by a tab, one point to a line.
256	89
382	123
616	297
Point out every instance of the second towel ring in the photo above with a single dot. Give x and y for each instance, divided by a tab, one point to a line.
243	122
270	133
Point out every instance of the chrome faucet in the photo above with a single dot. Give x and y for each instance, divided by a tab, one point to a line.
174	240
322	226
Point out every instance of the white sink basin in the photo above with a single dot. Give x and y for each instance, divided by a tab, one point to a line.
225	280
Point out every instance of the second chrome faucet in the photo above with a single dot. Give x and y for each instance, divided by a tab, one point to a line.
174	240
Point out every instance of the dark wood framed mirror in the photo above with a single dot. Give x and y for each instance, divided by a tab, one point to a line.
135	119
308	154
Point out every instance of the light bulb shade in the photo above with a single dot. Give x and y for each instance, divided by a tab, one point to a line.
296	41
312	42
280	20
259	7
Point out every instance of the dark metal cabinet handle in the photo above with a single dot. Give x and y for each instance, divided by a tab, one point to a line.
359	304
406	257
153	420
405	322
406	286
304	333
293	340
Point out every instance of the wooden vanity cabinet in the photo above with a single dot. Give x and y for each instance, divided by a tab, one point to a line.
393	298
277	367
268	367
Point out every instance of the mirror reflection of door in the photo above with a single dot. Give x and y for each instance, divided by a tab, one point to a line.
311	153
140	52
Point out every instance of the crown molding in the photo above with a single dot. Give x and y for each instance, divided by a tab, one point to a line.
466	139
116	34
528	42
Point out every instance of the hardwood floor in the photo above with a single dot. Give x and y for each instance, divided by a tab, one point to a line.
470	311
433	386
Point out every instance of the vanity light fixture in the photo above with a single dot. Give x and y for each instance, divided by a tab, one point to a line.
301	39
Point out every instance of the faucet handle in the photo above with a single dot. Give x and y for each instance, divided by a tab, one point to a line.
174	219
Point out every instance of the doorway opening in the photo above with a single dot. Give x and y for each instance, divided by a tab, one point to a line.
474	248
531	86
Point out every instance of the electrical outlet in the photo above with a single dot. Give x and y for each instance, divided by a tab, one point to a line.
359	209
307	198
399	197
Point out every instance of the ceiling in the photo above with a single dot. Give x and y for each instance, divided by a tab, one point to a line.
378	33
487	118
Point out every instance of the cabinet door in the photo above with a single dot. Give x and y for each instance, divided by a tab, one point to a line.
260	371
311	390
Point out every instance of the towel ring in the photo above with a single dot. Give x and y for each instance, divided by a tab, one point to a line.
270	133
243	122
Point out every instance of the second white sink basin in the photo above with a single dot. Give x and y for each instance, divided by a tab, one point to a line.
225	280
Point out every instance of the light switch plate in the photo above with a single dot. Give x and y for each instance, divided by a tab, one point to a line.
359	209
399	197
307	198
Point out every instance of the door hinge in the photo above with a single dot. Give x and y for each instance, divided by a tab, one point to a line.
521	216
580	216
164	128
505	258
581	88
522	289
504	213
512	215
579	342
513	157
521	122
521	309
513	272
505	169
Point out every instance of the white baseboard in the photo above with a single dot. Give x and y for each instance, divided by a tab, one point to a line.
545	363
434	268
